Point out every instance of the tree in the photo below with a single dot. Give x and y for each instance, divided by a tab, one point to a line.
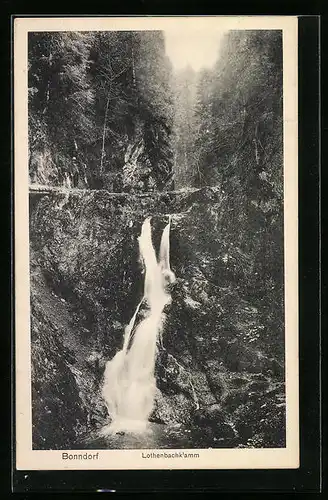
60	99
184	128
239	108
100	109
155	104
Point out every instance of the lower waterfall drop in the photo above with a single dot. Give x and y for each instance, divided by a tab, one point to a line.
129	380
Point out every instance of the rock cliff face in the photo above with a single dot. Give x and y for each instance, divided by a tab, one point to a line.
220	364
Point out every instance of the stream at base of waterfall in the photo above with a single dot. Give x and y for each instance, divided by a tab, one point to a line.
129	380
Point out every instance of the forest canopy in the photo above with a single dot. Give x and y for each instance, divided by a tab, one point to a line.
99	102
106	110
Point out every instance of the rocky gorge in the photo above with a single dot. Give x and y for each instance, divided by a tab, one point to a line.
118	134
220	362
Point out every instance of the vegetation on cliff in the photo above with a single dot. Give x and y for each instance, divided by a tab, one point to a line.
105	112
100	110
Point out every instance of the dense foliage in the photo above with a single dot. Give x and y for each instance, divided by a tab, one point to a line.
232	136
239	109
185	132
100	110
229	117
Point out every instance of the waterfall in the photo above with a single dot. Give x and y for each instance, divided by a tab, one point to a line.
129	380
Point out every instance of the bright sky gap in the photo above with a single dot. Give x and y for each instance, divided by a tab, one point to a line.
197	48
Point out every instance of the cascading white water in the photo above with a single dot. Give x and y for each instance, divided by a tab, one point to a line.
129	380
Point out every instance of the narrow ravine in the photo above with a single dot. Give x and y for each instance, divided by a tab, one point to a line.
121	344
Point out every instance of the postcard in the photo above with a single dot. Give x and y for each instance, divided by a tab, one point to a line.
156	254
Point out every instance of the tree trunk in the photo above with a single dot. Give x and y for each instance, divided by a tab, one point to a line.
104	134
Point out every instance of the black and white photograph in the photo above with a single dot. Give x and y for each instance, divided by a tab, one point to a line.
155	171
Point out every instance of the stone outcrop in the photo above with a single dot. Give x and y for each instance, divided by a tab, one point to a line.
220	358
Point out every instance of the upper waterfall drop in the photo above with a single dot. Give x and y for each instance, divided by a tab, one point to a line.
129	380
164	255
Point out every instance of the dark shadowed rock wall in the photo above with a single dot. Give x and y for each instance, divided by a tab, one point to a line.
220	365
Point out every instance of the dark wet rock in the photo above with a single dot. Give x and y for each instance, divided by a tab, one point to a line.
221	352
258	386
172	408
59	415
215	418
261	420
